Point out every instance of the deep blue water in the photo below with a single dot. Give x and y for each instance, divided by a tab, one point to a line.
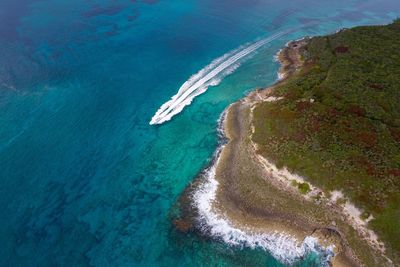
84	179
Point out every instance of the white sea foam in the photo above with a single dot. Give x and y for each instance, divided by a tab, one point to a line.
282	246
211	75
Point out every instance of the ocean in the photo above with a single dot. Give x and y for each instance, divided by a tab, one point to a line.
85	179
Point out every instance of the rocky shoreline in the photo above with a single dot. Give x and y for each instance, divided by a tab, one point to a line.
253	199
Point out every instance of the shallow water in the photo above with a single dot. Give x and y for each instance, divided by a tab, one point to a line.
84	179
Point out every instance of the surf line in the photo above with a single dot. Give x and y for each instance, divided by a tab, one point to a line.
210	75
215	223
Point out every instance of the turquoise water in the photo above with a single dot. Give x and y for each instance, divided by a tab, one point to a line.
84	179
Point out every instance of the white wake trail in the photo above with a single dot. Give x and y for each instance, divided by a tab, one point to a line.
210	75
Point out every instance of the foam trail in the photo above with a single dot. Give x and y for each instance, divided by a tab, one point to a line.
210	75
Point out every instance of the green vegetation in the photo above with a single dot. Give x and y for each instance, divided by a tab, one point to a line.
304	188
339	122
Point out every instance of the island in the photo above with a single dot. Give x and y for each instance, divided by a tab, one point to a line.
313	160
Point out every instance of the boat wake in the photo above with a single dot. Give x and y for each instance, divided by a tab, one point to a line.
211	75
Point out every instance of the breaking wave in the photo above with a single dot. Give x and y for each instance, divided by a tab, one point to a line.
281	246
211	75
